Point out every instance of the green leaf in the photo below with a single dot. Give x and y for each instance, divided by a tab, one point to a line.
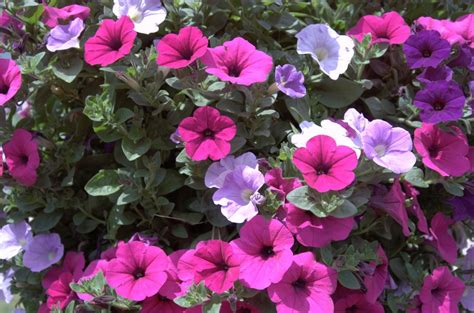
380	108
104	183
348	280
122	115
346	209
197	294
46	221
453	188
416	177
211	307
337	94
70	72
302	199
173	181
128	196
134	150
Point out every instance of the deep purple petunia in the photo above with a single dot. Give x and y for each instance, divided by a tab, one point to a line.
464	206
440	102
433	74
426	49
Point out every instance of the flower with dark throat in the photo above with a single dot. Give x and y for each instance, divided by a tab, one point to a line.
10	80
426	48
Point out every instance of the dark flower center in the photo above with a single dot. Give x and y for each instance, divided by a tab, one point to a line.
234	70
139	273
322	169
223	267
115	44
433	151
3	88
438	105
382	35
426	53
300	283
244	310
208	133
163	299
351	309
24	159
437	293
267	252
186	53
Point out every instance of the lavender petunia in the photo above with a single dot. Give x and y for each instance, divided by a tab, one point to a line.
217	172
5	283
43	251
467	300
290	81
357	122
433	74
239	196
63	37
426	48
388	146
464	206
440	102
13	239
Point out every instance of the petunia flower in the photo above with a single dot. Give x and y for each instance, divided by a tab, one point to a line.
342	135
455	32
278	184
217	171
53	17
441	151
441	292
112	41
10	80
441	239
43	251
467	300
464	206
306	287
354	301
214	262
357	122
73	263
290	81
433	74
146	15
312	231
6	278
326	166
22	157
138	271
238	62
393	203
464	58
174	286
411	194
375	276
161	304
182	49
60	293
440	101
426	48
207	134
333	52
239	196
241	307
389	147
387	28
63	37
264	248
13	239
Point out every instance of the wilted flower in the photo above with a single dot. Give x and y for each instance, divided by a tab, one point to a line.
290	81
10	80
333	52
426	49
441	239
53	17
358	123
13	239
432	74
43	251
63	37
146	15
464	206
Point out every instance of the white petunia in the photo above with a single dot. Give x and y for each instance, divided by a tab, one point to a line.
146	15
332	51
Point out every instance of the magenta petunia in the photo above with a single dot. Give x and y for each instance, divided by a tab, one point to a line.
312	231
459	32
207	134
53	17
442	151
375	276
182	49
241	307
73	263
238	62
326	166
21	152
441	239
112	41
160	304
59	293
174	287
354	301
411	194
10	80
389	28
441	292
280	185
264	248
138	271
305	288
215	263
392	202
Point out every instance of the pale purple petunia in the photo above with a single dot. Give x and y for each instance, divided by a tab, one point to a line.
217	171
467	300
63	37
146	15
432	74
5	283
13	239
440	101
239	196
426	48
388	146
290	81
357	122
43	251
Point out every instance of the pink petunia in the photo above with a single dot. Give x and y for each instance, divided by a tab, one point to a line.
214	262
182	49
241	307
305	288
441	239
392	202
73	263
280	185
264	248
21	152
312	231
138	271
10	80
174	287
207	134
414	208
459	32
389	28
441	292
52	16
442	151
376	276
112	41
324	165
160	304
238	62
59	293
352	301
